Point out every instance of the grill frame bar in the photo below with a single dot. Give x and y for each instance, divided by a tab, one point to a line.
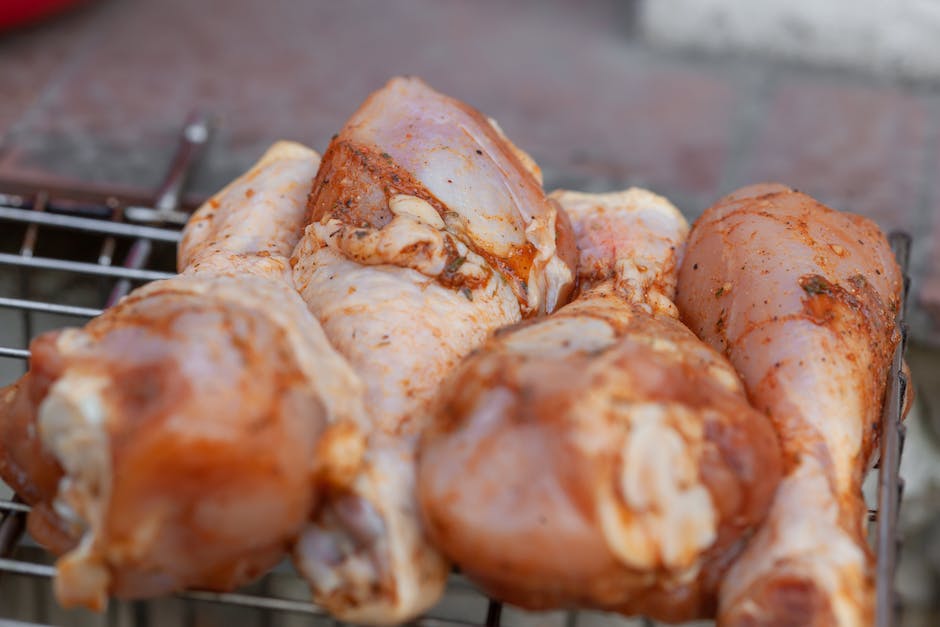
92	225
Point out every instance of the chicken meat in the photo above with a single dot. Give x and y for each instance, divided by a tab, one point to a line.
427	229
802	299
602	456
178	439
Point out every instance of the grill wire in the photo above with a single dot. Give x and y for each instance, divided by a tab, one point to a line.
131	229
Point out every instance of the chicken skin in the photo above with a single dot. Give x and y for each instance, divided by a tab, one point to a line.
177	440
802	299
602	456
427	229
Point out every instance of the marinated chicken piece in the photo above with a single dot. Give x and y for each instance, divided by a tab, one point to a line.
178	439
802	299
427	229
602	456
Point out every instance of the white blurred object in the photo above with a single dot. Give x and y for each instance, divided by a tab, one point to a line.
884	36
920	467
919	566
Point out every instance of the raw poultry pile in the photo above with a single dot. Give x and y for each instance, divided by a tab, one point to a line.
408	357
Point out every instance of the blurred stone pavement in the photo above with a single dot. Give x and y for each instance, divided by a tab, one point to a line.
98	96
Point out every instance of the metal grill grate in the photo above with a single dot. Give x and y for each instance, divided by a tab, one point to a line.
143	239
143	235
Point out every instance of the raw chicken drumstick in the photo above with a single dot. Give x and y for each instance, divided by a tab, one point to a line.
173	441
802	299
427	229
602	456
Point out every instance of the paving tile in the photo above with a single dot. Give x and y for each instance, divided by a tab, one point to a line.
32	59
512	617
559	77
927	255
859	148
928	298
19	596
602	619
663	127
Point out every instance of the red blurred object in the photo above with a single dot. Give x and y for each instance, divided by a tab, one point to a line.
14	13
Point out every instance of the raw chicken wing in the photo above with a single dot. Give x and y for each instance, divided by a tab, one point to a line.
802	299
602	456
173	441
427	229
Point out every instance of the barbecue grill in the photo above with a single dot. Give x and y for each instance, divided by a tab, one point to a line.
66	253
